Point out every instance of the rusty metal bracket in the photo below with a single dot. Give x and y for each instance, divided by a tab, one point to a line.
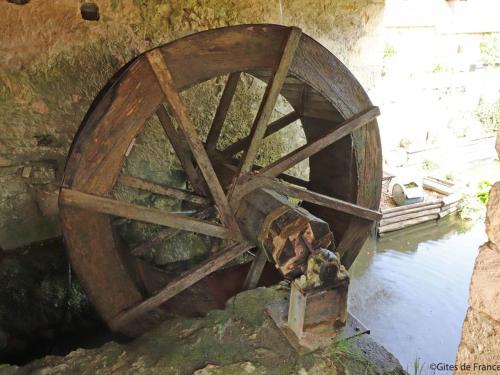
315	318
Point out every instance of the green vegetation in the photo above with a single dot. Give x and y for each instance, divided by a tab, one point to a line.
417	367
343	353
349	359
490	50
474	203
410	185
484	191
450	176
488	114
438	68
429	165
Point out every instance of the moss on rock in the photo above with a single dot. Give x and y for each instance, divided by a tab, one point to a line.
240	339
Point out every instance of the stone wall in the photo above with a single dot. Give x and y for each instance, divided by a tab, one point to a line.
53	63
480	342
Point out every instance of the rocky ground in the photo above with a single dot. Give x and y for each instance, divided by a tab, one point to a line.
238	340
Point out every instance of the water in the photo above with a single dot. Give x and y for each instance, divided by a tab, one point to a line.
411	289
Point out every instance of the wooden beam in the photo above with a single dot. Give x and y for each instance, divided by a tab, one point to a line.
114	207
182	151
184	281
269	100
282	176
170	192
255	271
187	127
324	200
167	233
304	152
308	196
220	114
273	127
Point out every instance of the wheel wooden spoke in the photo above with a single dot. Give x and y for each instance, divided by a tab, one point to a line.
167	233
255	271
273	127
293	180
183	282
185	124
170	192
282	176
220	114
182	151
309	196
306	151
115	207
269	100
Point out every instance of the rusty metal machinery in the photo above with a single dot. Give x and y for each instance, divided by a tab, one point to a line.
243	206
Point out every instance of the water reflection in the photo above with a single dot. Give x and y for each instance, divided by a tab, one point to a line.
411	288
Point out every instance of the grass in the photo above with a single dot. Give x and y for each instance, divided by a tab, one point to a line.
417	367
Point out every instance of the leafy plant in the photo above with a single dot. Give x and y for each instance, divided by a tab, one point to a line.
474	203
488	115
484	191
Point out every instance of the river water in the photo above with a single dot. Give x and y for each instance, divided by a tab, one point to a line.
411	289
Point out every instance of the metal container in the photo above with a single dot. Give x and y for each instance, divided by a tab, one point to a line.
407	193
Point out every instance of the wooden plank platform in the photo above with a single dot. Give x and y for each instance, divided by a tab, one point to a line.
435	206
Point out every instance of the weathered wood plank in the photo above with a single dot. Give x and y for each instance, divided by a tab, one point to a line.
187	127
272	128
312	148
410	210
407	223
438	186
411	206
220	114
308	196
183	282
74	198
268	102
407	216
326	201
167	233
182	151
167	191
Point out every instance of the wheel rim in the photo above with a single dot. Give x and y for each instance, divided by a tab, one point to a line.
119	115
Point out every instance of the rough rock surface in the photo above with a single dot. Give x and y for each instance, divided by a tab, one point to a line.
41	302
241	339
493	216
480	342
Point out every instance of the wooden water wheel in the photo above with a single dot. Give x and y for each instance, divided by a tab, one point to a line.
343	150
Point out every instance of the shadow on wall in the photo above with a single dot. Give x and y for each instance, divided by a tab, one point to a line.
43	309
